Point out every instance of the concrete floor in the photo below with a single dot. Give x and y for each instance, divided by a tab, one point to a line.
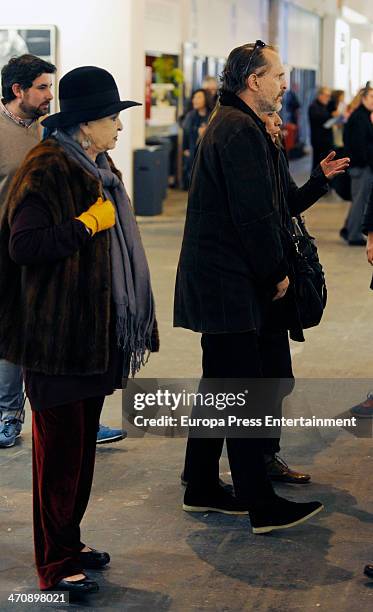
164	559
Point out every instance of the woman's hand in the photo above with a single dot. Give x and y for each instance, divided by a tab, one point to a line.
100	216
282	288
370	248
332	167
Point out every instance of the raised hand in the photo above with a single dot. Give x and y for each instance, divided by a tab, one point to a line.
332	167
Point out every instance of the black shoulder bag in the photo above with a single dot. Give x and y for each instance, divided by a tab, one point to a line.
309	279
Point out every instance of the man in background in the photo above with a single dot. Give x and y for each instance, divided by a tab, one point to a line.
321	136
26	83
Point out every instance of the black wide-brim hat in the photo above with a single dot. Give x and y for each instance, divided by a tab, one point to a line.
86	94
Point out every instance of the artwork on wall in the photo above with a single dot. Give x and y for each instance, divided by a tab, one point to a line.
19	39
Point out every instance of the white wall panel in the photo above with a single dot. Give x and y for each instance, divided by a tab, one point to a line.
214	26
163	26
303	38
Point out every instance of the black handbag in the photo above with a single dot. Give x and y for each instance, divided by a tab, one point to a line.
309	279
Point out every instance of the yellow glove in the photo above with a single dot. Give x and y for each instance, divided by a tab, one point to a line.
100	216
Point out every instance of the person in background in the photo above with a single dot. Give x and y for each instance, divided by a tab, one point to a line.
321	136
338	109
355	102
76	309
194	126
26	83
358	143
211	86
364	410
291	107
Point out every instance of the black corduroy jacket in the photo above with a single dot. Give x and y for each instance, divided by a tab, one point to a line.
232	255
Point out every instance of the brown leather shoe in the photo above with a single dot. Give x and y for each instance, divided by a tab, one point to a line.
279	471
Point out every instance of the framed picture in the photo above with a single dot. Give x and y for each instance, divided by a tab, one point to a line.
38	40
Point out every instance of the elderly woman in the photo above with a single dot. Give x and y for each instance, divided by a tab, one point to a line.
77	309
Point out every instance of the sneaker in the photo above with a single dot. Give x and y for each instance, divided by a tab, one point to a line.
10	429
107	434
228	487
282	514
279	471
217	500
364	410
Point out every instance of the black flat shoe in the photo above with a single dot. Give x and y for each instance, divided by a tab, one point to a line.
94	559
85	585
368	570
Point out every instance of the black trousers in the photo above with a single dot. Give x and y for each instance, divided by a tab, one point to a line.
241	355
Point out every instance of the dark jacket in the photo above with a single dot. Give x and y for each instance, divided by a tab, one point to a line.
321	137
368	221
299	199
232	255
236	238
358	138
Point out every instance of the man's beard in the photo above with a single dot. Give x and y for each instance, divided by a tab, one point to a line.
270	106
32	112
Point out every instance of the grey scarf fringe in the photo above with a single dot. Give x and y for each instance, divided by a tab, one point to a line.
131	288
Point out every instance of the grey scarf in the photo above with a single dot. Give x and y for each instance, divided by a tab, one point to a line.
131	288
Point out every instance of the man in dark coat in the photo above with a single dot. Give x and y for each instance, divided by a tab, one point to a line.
233	278
321	136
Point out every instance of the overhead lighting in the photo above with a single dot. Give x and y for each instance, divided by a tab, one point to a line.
353	16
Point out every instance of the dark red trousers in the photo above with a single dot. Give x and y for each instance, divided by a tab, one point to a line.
63	458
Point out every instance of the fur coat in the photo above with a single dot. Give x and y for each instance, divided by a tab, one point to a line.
55	317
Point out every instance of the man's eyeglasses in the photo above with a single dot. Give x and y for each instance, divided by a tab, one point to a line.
259	44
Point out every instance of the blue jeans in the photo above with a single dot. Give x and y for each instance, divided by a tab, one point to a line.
361	186
11	390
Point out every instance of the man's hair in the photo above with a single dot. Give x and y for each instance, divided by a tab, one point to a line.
22	70
236	71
